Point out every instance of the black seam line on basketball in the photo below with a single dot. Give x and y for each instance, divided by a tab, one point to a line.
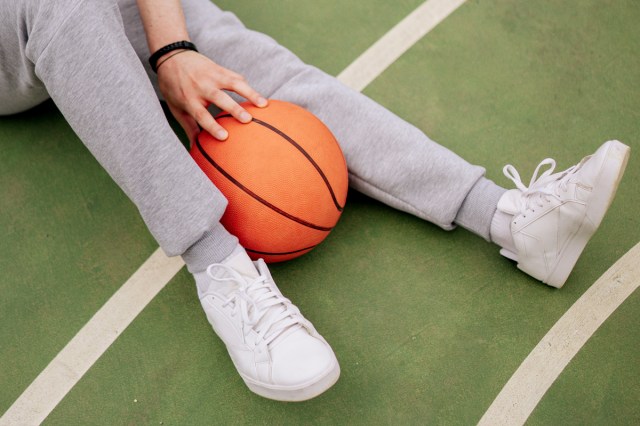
256	196
305	153
281	253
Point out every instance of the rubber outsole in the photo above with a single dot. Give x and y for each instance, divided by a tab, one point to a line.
297	393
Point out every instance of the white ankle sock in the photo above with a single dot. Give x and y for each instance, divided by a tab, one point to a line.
501	231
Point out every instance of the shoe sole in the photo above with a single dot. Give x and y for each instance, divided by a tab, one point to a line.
299	392
611	171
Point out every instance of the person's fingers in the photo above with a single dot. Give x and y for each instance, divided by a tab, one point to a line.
232	81
226	103
187	122
206	121
242	88
191	83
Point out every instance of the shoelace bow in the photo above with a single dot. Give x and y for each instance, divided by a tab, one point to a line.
266	312
545	186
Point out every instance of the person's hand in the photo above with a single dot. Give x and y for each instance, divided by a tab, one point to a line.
190	82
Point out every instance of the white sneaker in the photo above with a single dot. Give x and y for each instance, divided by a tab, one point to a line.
556	215
278	352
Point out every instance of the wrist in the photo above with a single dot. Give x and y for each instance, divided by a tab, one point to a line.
164	53
168	56
158	41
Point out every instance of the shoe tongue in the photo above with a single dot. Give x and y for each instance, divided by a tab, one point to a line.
510	202
240	262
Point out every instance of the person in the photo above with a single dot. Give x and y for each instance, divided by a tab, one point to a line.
91	57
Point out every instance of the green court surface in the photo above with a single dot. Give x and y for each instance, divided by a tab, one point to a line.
428	325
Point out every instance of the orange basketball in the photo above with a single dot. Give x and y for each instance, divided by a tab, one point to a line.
284	175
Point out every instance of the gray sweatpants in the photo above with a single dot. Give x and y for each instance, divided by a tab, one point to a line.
90	57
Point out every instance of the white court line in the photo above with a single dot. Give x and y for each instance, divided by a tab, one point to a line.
75	359
394	43
541	368
72	362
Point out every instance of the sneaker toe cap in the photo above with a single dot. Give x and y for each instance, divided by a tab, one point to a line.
300	359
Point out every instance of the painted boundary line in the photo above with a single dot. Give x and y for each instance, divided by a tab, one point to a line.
72	362
394	43
86	347
522	393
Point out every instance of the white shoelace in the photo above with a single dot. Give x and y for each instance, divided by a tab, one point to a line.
262	309
542	187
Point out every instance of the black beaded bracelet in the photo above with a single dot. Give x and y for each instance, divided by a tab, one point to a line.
153	59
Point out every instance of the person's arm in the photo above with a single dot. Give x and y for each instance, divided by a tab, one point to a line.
190	82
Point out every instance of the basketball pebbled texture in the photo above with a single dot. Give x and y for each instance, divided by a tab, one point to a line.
284	176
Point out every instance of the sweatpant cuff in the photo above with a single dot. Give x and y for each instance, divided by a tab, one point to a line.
214	246
478	208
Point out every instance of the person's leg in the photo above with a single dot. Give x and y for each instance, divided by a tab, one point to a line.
388	159
81	54
393	161
20	89
95	78
277	351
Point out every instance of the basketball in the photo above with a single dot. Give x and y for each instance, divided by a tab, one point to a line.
284	176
